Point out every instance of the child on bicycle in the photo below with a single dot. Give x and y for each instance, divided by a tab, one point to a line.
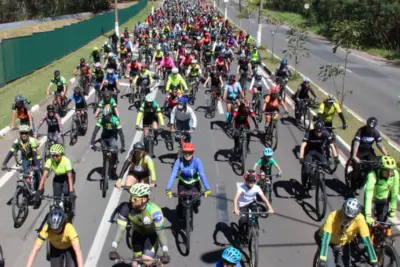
231	257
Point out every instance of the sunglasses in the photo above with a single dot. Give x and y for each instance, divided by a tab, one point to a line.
188	154
55	155
23	133
136	199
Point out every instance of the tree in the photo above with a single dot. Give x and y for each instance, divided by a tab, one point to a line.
275	24
297	39
249	10
330	71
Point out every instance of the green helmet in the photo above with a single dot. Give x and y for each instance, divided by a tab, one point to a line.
57	149
140	190
138	146
387	162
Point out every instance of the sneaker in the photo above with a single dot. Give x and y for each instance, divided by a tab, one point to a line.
196	209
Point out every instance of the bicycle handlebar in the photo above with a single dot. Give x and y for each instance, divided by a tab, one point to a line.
55	198
188	193
100	148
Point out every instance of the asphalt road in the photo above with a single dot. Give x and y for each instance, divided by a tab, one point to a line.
286	238
374	82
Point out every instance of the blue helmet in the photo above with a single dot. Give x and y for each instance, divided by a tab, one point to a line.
284	61
268	152
183	99
306	80
232	255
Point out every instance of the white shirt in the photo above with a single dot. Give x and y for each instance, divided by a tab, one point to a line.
248	195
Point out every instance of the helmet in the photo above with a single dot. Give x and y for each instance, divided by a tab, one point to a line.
82	60
95	48
387	162
56	73
232	255
110	71
19	98
158	47
111	55
194	61
107	111
140	190
144	66
188	147
149	97
268	152
50	108
250	175
166	54
198	37
77	90
175	70
319	126
57	149
97	65
122	45
207	34
106	42
275	89
284	61
106	94
56	219
24	128
351	207
330	99
306	80
138	146
372	122
183	99
232	77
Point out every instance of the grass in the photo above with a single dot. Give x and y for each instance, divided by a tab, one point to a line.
34	85
388	54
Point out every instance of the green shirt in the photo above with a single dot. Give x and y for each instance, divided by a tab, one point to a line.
113	103
59	82
110	128
266	166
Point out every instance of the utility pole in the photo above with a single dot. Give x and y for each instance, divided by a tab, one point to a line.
152	7
116	17
226	9
259	24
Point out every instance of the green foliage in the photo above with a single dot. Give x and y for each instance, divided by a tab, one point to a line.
333	72
297	40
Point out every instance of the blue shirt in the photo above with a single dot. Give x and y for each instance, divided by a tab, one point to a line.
233	92
219	264
78	98
112	79
189	172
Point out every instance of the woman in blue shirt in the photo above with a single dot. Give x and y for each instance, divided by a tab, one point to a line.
191	171
230	258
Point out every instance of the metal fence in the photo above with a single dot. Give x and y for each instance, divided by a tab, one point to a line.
22	55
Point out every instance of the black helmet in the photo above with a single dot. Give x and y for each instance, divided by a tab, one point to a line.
56	219
82	60
138	146
19	99
106	94
372	122
319	126
232	77
166	54
50	108
56	73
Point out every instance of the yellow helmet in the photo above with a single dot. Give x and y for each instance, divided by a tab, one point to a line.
95	48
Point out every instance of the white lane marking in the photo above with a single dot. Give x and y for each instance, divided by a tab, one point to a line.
124	84
346	69
104	227
359	56
220	108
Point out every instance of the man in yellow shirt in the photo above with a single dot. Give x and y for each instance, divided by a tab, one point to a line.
176	79
64	241
327	111
340	228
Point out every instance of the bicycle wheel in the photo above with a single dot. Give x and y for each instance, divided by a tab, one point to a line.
389	257
320	198
347	173
106	173
73	132
47	250
253	247
19	207
258	111
274	135
18	158
244	155
187	228
46	151
151	146
305	118
1	257
212	107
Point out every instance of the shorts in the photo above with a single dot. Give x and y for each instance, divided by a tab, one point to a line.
58	257
141	243
139	175
149	119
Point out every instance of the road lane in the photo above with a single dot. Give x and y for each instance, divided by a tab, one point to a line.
374	86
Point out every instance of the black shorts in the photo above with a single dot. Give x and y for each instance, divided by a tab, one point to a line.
148	119
141	243
139	175
58	257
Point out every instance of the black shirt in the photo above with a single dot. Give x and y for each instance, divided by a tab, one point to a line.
366	138
315	142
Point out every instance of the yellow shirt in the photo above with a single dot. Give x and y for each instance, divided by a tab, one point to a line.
328	113
340	235
64	240
61	168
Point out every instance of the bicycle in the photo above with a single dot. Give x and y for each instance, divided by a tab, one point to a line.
188	199
83	85
250	237
256	103
243	146
149	140
282	84
51	140
78	125
366	167
302	115
194	87
383	242
327	150
271	131
59	103
107	170
2	261
18	158
153	263
212	102
317	179
181	137
26	184
266	184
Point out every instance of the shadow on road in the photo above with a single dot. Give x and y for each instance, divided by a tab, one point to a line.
222	126
228	231
337	186
228	157
94	171
176	230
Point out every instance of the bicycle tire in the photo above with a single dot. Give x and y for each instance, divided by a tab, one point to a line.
243	156
394	256
18	158
15	204
47	250
187	229
212	106
253	247
46	151
274	145
105	178
305	119
258	111
320	191
73	135
2	262
347	176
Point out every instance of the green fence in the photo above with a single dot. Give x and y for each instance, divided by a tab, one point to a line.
22	55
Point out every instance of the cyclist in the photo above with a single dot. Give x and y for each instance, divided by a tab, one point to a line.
381	189
271	104
112	82
85	73
246	197
232	92
362	147
244	65
64	174
29	152
151	113
218	46
340	228
54	125
183	118
283	70
189	170
106	49
123	57
147	220
255	57
312	149
95	55
256	84
176	79
140	165
166	64
81	105
21	110
65	248
111	62
194	71
133	69
327	110
231	257
302	93
143	79
241	117
97	76
158	55
111	128
107	101
214	80
60	82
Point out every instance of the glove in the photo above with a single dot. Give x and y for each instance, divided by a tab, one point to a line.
168	193
337	161
374	264
165	258
38	194
392	214
301	160
92	147
322	264
4	167
279	174
123	149
207	193
369	220
344	126
113	255
73	195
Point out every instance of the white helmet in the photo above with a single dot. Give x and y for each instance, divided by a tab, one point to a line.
175	70
149	97
111	54
106	42
194	61
110	71
98	64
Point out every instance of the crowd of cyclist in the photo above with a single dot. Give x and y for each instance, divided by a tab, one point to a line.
177	39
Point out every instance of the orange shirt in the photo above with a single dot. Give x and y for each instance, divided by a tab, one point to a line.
272	103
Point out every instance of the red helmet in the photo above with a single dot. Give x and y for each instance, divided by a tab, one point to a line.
251	176
188	147
275	89
207	34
